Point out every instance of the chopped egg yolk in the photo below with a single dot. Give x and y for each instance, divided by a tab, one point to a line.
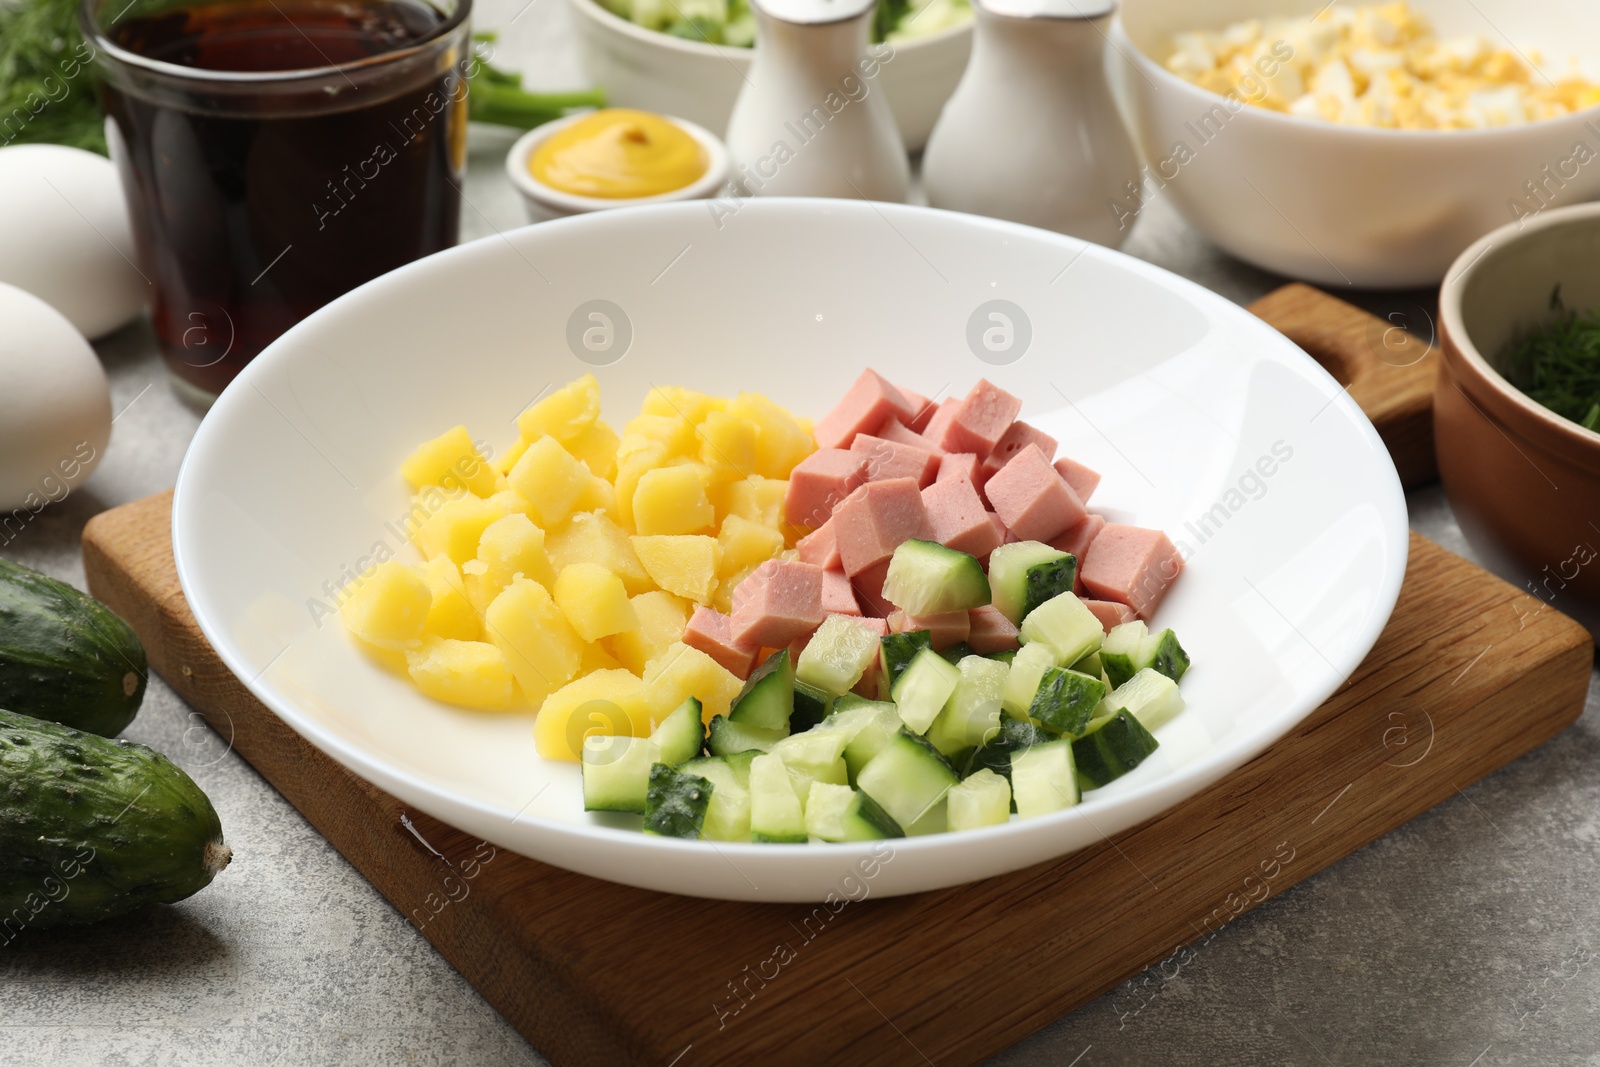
1377	65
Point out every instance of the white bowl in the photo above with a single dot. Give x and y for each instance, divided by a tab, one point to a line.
1178	396
542	202
1341	205
643	68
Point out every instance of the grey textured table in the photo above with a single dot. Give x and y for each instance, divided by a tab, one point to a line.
1468	937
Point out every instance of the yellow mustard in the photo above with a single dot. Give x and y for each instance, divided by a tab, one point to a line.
619	154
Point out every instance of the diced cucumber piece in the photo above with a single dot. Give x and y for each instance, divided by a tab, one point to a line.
839	813
935	820
767	699
1027	671
728	814
811	706
1009	567
1090	665
1113	748
957	652
616	772
776	814
1043	779
814	756
907	777
972	714
1013	737
983	799
923	687
1066	626
802	776
868	739
846	701
1004	657
838	654
1130	648
675	803
739	763
926	578
728	737
1151	696
1066	700
896	651
681	735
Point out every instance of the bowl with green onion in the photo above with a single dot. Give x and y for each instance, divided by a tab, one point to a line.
1517	407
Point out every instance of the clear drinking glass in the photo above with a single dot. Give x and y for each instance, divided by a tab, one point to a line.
276	154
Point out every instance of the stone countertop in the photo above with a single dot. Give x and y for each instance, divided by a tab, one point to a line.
1467	937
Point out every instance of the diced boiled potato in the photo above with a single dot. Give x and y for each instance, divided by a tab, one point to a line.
513	545
597	658
511	502
754	498
594	601
473	674
481	589
539	644
598	495
745	544
722	599
781	443
550	479
450	460
673	432
596	446
594	538
685	564
508	459
451	614
729	442
682	672
632	464
673	500
609	702
563	414
662	618
389	606
454	528
684	403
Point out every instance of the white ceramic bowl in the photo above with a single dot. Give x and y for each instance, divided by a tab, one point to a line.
643	68
1341	205
542	202
1204	421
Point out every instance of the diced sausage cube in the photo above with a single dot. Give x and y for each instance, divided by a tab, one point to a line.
819	483
988	630
869	590
874	520
820	547
712	633
779	601
979	421
870	401
837	596
1132	566
1082	479
1019	435
1034	502
957	518
922	410
961	465
940	420
945	629
1077	541
886	460
1109	612
896	431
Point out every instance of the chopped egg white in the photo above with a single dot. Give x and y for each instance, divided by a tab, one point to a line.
1376	65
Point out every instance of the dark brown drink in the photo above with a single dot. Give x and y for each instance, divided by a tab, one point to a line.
256	201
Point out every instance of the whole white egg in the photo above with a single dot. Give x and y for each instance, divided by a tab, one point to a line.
66	236
55	408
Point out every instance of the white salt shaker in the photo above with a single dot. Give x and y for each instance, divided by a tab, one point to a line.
1032	133
811	119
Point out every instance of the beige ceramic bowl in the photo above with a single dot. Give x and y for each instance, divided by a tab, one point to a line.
1516	472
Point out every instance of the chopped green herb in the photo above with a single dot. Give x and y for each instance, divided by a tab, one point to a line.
46	86
1558	366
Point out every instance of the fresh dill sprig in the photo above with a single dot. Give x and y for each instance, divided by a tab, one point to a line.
46	85
1558	366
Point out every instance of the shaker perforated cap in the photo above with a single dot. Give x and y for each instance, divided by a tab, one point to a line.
1050	9
815	11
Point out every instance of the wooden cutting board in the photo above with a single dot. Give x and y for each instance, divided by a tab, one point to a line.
595	973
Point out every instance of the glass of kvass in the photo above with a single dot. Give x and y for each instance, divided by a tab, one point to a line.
276	154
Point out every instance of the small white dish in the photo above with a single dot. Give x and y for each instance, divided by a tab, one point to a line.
542	202
1204	421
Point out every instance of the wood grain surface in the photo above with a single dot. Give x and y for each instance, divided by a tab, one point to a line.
596	973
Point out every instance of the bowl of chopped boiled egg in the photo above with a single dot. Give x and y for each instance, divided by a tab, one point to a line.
1355	144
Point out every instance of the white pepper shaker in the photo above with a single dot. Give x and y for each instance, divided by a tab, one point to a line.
1032	133
811	119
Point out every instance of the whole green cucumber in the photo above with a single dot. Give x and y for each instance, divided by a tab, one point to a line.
91	828
66	657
